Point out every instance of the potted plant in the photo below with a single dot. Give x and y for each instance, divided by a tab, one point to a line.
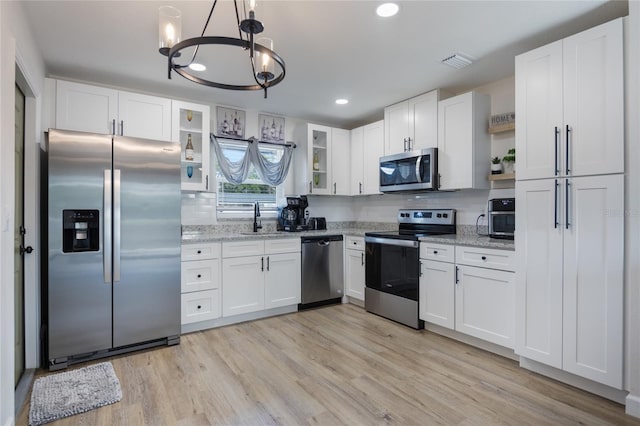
510	160
496	166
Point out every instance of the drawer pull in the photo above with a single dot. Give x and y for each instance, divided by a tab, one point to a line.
484	257
199	276
199	306
435	252
199	251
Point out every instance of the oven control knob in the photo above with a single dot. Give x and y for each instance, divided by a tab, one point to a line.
439	215
444	215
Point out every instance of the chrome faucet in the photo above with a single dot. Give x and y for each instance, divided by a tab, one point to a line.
256	214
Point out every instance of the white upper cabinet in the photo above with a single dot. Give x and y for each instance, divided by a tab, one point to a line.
87	108
340	161
191	122
144	116
357	161
464	148
322	163
412	124
373	149
569	106
367	146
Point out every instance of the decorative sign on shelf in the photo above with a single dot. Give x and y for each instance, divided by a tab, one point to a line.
502	122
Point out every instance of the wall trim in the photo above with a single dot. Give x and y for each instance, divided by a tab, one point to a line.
632	406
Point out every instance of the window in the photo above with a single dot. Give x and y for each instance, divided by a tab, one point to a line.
237	200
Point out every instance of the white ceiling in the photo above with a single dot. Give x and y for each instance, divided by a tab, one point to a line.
331	48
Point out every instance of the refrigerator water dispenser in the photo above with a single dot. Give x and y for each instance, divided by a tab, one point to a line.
80	231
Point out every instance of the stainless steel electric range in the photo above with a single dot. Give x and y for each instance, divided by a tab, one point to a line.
392	268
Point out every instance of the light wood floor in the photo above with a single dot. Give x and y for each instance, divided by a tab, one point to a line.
335	365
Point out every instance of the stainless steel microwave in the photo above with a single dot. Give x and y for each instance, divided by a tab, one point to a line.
409	171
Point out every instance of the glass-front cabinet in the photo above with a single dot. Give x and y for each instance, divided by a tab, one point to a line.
190	128
319	159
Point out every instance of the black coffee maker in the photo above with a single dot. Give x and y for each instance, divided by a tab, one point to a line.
292	217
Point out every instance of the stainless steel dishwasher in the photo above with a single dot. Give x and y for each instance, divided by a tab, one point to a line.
322	270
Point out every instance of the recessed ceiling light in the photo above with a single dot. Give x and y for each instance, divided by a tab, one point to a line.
197	67
342	101
386	10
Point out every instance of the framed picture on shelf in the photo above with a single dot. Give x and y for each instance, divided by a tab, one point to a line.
230	122
272	128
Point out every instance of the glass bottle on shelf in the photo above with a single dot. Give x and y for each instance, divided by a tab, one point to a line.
188	150
316	161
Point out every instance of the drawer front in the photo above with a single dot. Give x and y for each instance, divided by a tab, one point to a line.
200	275
200	306
243	248
486	258
355	243
439	252
284	245
200	251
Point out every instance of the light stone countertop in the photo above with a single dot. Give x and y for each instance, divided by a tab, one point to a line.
462	239
472	240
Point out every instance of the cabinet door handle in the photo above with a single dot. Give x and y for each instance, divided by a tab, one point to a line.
457	280
409	140
335	185
310	188
113	127
268	263
206	185
262	263
566	160
121	127
557	145
566	210
420	268
360	187
362	258
555	205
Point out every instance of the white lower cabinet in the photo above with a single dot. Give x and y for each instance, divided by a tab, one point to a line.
200	282
456	294
485	304
282	280
354	270
259	274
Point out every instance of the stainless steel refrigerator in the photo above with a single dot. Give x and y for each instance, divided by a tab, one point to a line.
112	283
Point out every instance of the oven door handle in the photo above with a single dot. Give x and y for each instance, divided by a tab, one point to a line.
392	242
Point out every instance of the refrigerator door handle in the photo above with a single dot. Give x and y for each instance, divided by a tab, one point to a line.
116	225
106	228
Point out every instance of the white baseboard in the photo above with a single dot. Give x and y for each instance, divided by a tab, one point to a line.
632	406
353	301
222	321
470	340
604	391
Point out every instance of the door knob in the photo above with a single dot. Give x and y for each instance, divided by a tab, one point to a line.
24	250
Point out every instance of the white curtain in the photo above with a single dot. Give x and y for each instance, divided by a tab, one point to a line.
272	173
234	171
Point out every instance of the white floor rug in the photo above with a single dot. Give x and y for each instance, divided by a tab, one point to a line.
73	392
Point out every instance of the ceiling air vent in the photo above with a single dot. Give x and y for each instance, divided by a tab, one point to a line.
457	61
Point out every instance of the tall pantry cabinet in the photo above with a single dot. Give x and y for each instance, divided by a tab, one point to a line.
570	204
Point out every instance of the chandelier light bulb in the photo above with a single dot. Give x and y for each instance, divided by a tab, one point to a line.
252	5
170	28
